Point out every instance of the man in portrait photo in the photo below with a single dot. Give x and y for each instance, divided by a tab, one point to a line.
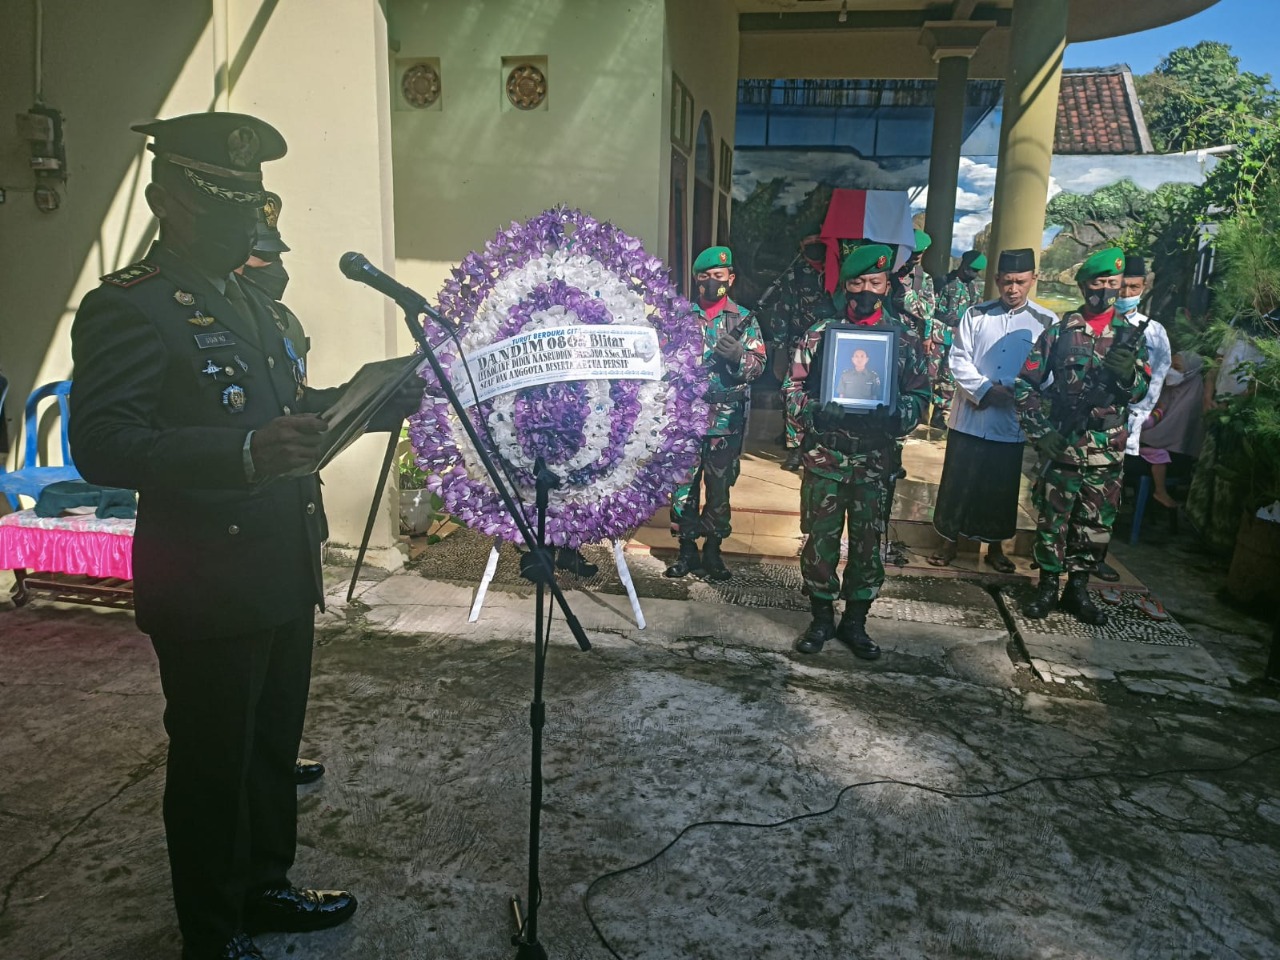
859	380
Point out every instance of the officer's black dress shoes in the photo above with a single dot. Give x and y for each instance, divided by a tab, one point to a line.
307	771
237	948
293	910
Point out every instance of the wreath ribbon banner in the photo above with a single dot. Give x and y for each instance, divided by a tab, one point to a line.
619	445
555	354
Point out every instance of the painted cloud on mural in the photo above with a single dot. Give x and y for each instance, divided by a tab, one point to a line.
803	170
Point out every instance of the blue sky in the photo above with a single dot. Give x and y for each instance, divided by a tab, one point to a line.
1249	26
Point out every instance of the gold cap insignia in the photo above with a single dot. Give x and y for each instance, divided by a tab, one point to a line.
883	261
723	256
1119	263
271	210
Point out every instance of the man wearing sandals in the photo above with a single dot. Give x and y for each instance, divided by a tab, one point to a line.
978	493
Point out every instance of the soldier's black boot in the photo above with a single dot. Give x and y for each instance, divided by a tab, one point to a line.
794	461
1077	600
687	562
853	630
1045	600
573	561
822	629
712	564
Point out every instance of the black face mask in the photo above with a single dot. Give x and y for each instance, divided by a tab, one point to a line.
712	291
218	238
1100	301
272	279
865	302
966	275
219	250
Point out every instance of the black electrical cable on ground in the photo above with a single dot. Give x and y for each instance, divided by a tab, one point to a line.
949	794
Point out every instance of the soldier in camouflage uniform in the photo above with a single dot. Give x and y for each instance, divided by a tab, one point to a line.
1079	491
850	458
960	291
801	301
914	299
733	350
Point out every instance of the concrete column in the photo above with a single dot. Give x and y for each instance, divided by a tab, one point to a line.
1037	41
944	162
335	183
951	44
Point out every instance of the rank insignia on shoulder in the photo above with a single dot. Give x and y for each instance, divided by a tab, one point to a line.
134	273
184	298
200	320
233	398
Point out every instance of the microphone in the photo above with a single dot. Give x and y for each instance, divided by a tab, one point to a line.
356	266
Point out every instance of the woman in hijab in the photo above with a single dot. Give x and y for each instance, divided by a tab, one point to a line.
1174	426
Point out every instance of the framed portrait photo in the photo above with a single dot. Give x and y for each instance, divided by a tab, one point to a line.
860	367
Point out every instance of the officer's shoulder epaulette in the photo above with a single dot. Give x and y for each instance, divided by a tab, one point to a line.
133	274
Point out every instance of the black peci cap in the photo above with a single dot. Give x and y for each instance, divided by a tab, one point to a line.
1020	260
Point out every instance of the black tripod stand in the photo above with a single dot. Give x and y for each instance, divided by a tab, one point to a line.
536	565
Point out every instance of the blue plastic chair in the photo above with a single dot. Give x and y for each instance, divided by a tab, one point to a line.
31	479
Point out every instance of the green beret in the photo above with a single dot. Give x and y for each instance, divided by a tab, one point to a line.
221	154
869	258
922	241
1104	263
975	261
713	257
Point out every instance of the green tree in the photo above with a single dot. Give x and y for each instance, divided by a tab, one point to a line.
1197	97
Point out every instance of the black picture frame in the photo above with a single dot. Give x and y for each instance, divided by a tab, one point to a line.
876	384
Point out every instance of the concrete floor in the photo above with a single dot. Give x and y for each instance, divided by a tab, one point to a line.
707	714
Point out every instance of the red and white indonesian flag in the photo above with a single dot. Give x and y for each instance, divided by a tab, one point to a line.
883	216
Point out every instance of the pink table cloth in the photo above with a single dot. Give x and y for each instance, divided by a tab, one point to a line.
78	544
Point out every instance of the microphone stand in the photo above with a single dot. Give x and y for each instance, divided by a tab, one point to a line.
525	940
539	559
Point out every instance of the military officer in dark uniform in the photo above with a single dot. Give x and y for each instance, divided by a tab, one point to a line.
859	382
191	388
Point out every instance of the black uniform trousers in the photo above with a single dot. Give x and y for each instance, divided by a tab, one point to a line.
234	712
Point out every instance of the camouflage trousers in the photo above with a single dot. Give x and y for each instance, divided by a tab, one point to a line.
827	507
1077	508
717	471
944	384
793	429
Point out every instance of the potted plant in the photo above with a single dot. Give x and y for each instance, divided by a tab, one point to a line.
421	511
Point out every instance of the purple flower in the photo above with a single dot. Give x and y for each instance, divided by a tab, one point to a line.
609	497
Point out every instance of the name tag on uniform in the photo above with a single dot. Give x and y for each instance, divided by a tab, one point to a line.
206	341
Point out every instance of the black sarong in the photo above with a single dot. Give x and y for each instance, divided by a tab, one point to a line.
978	494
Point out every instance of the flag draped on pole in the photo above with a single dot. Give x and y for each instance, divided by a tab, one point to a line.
883	216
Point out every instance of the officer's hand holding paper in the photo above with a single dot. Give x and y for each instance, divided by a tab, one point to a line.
286	444
374	399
